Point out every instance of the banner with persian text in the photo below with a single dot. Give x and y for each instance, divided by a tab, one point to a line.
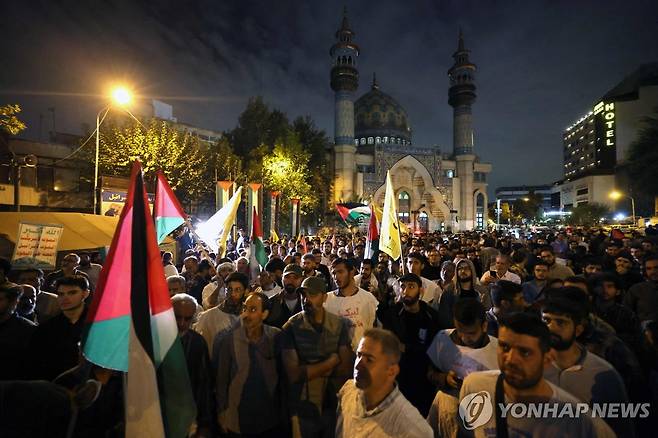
36	246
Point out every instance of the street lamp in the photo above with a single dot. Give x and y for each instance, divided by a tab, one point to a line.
120	97
615	195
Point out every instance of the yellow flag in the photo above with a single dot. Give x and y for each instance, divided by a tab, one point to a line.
389	239
214	231
273	236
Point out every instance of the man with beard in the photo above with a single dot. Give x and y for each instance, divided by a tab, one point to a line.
592	267
642	298
371	405
366	279
573	368
268	285
465	286
46	303
309	266
454	354
350	301
197	358
431	291
221	318
415	324
523	345
289	301
317	358
327	248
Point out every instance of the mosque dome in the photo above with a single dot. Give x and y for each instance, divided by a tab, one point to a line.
380	119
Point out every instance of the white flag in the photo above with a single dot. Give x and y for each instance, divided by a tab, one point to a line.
214	231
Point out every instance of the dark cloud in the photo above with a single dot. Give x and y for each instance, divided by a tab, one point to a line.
541	64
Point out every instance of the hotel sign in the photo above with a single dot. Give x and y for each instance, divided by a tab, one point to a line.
607	114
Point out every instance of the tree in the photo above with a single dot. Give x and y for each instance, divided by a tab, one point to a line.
286	170
528	207
284	156
158	146
643	156
9	121
587	214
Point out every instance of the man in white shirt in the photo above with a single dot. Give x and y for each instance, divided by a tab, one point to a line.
371	405
456	353
167	263
366	278
502	272
415	264
350	301
523	346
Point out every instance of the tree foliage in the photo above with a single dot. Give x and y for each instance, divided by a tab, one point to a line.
587	214
643	156
284	156
158	146
527	207
9	121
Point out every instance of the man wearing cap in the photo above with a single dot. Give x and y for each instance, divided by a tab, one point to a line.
289	301
415	324
318	360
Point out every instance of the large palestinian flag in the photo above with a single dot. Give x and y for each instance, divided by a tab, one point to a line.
131	326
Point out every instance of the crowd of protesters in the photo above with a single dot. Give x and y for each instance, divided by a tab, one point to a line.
327	341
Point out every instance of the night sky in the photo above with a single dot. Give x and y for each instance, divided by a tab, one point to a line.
541	64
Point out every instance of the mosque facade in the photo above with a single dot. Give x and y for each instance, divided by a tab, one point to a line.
436	190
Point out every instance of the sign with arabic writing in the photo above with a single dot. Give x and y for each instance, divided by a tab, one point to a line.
112	201
36	246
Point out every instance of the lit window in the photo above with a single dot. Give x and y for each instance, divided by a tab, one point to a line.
371	140
378	140
385	139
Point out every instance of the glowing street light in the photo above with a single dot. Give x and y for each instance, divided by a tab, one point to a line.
121	97
615	195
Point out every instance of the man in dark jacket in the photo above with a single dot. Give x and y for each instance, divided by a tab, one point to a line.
415	323
289	301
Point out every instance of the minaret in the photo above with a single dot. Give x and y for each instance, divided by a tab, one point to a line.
344	82
461	96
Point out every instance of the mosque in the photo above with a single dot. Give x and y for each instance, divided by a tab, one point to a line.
372	134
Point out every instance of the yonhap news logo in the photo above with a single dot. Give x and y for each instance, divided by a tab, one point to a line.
476	409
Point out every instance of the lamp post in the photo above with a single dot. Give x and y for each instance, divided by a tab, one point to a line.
615	195
121	97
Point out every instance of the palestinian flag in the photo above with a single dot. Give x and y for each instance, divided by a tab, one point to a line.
256	248
167	211
372	241
131	326
354	214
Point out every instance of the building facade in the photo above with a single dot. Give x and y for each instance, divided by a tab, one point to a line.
596	146
514	193
372	135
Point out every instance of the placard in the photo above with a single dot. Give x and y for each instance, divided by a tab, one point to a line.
36	246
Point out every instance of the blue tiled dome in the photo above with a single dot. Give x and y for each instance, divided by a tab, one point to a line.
377	114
